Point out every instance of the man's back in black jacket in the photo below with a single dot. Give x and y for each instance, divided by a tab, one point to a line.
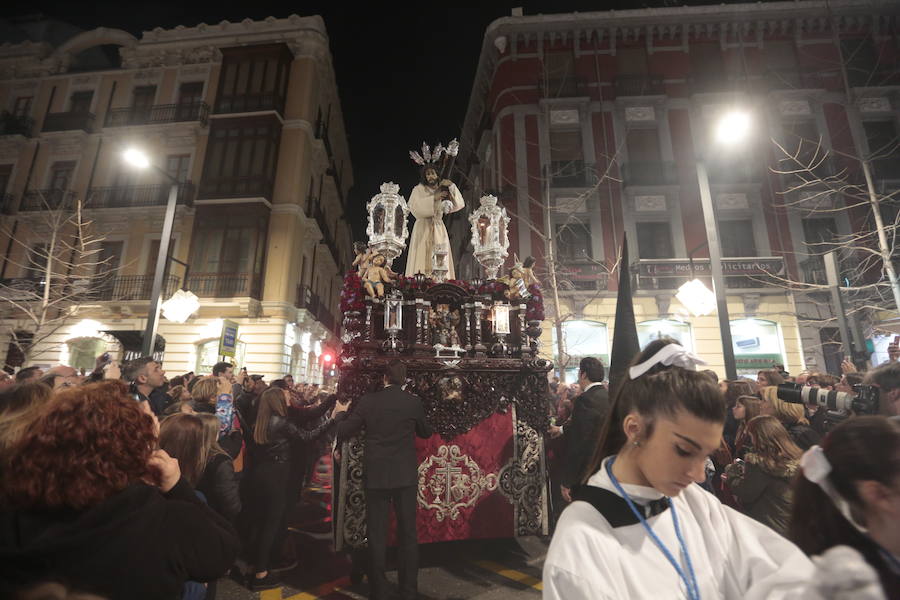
588	411
392	418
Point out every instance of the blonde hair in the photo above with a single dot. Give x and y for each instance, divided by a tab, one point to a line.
786	412
205	391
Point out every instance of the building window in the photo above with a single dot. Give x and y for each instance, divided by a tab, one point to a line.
654	240
860	60
820	234
677	330
228	242
882	139
178	166
22	107
582	339
241	159
80	102
560	80
566	159
707	66
573	241
644	166
781	67
61	174
190	93
5	175
736	237
253	78
208	356
757	345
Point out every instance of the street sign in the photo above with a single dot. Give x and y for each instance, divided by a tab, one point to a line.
228	341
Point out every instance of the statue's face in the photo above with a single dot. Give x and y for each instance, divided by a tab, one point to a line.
379	260
431	176
516	273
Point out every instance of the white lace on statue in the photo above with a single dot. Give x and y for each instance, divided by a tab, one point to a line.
669	355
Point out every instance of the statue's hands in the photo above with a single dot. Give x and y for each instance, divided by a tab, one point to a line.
446	206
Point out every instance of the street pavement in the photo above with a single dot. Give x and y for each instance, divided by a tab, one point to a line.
480	569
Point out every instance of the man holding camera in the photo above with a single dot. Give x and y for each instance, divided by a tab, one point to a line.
887	379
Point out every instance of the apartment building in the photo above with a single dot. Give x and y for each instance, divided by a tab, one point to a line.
246	118
601	118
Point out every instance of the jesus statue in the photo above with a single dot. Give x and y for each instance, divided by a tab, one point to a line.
429	201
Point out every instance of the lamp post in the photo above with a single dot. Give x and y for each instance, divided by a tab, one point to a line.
731	129
138	159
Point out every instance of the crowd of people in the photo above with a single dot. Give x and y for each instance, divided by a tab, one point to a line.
784	481
200	472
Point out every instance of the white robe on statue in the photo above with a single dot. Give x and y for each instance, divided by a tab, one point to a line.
733	555
427	230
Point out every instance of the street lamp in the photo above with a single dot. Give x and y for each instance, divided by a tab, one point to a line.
140	160
731	129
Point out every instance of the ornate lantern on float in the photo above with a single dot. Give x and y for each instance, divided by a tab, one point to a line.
439	267
489	235
387	228
501	326
393	321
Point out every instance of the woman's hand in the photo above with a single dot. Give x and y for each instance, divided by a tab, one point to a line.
168	468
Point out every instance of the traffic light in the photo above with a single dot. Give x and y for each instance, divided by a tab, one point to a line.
327	358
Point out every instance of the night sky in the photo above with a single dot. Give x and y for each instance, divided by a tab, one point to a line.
404	75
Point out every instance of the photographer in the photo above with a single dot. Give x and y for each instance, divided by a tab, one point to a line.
887	379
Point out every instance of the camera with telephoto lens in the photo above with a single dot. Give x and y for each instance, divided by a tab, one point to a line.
865	402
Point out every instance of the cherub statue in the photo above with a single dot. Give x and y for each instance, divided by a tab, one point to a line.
519	278
377	274
364	256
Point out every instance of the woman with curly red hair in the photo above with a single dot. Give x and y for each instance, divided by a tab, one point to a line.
89	501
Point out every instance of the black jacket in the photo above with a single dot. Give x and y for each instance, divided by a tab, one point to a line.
764	493
220	487
138	544
580	432
281	434
392	419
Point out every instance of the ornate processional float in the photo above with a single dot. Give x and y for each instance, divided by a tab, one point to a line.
471	350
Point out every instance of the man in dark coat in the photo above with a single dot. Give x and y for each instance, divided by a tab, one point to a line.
580	431
392	418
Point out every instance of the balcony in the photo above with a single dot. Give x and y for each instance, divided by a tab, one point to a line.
159	113
812	270
563	87
327	235
568	173
237	187
639	85
740	273
580	276
133	287
11	124
796	79
742	172
244	103
35	200
225	285
310	301
129	196
69	121
649	173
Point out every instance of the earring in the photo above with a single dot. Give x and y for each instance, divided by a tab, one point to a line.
636	443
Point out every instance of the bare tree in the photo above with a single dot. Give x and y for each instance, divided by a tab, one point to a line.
65	270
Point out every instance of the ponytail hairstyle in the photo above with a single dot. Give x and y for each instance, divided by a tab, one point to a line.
661	392
859	449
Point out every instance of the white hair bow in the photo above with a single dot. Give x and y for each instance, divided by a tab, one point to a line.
816	468
669	355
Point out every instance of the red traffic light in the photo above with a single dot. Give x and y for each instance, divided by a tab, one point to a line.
327	357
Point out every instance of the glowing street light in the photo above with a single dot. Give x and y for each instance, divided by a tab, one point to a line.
733	127
136	158
697	298
180	306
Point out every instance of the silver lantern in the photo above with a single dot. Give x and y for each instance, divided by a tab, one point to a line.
387	228
489	235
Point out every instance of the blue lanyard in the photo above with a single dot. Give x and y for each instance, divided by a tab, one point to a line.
693	590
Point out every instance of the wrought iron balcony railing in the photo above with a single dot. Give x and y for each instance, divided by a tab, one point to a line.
225	285
35	200
67	121
159	113
242	103
11	124
640	85
649	173
125	196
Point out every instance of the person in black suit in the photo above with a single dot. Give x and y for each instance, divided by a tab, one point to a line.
392	418
580	431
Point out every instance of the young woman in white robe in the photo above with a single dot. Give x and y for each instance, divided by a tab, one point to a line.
425	201
641	527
